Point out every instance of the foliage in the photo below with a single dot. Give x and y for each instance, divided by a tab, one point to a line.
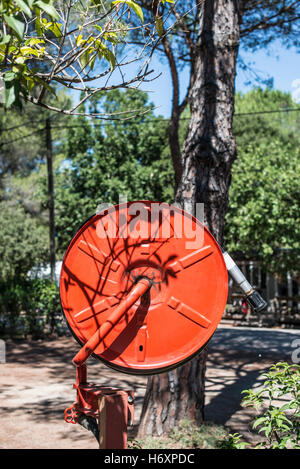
187	435
23	145
14	155
23	242
233	441
42	302
265	22
263	198
264	128
263	216
43	43
112	159
279	423
27	305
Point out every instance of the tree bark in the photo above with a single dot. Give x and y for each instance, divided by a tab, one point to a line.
210	149
207	156
174	396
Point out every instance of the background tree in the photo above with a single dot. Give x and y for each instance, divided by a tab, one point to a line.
23	245
24	221
23	242
262	115
263	215
260	24
104	161
22	138
263	202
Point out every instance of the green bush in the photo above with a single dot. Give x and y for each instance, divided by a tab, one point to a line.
30	307
278	422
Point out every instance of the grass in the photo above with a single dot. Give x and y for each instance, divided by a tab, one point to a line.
186	436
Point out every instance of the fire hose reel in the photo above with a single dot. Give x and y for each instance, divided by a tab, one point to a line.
143	288
136	294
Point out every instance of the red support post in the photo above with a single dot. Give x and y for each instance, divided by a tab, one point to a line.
115	408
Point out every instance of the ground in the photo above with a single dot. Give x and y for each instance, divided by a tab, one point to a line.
36	385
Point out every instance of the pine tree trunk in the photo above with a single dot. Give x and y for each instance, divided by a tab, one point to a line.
207	157
210	149
174	396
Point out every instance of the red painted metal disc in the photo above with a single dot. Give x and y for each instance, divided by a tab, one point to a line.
175	319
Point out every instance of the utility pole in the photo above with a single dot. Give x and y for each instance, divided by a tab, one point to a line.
49	155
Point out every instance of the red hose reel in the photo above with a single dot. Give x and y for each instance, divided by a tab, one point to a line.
143	287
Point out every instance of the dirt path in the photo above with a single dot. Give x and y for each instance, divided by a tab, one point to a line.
36	385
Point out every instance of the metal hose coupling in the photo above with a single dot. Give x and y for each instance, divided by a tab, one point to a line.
253	298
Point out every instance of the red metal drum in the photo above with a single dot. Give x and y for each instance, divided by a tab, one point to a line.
109	258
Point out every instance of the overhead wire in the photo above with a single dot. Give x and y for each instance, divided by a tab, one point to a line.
22	137
121	122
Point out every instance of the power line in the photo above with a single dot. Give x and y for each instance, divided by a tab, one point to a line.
16	126
122	122
21	137
239	114
271	111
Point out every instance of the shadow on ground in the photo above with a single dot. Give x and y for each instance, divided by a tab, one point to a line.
36	385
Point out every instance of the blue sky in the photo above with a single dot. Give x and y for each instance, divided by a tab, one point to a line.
277	62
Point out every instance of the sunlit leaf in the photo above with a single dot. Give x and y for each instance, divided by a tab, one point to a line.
134	6
48	8
5	39
16	25
24	7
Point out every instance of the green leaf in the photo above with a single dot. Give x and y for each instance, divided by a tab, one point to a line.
159	26
16	25
48	9
110	57
84	58
9	76
80	40
258	422
30	83
135	7
38	26
5	39
56	28
10	94
24	7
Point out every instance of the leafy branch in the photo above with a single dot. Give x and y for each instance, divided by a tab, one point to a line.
73	43
278	422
